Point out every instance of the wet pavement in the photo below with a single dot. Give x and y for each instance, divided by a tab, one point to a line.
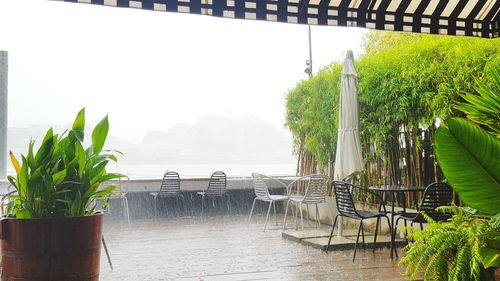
224	248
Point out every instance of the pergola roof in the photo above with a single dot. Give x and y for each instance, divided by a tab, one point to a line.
478	18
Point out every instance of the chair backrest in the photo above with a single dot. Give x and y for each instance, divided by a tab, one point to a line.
316	189
260	187
343	197
170	184
123	185
436	194
217	184
6	203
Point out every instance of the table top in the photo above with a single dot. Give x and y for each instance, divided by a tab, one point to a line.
397	188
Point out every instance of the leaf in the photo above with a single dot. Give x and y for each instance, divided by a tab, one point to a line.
107	177
58	177
79	123
76	205
46	147
77	130
490	253
23	177
97	170
15	163
80	157
99	135
23	214
470	160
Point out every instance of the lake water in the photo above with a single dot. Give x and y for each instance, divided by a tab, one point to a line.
202	170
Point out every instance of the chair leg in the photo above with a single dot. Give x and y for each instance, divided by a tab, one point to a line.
363	234
267	217
126	209
296	214
421	226
107	253
317	216
395	226
376	232
228	198
251	211
301	218
331	233
286	211
357	240
202	205
308	215
155	205
393	235
275	215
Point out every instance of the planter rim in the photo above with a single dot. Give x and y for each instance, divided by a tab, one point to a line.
98	213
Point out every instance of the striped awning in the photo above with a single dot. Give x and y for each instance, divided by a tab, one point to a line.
478	18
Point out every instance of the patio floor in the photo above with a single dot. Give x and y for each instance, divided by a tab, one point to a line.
224	248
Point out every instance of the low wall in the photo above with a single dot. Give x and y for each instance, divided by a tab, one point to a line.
141	204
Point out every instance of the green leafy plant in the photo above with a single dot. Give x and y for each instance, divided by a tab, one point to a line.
484	108
450	251
62	178
465	248
470	160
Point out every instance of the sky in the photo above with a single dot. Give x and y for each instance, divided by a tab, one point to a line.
150	70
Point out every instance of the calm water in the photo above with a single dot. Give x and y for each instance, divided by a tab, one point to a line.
203	170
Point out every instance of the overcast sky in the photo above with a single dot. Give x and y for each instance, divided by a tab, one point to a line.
150	70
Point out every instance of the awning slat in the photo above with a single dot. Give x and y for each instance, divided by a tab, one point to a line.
453	17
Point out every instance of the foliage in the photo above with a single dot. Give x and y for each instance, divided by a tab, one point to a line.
450	251
61	178
484	108
464	248
470	159
406	83
312	113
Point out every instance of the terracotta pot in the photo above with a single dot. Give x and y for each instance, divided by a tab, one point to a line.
51	249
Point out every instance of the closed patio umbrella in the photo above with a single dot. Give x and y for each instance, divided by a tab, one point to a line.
348	158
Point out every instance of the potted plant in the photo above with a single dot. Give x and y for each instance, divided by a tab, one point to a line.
53	231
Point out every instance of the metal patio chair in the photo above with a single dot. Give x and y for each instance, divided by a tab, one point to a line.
217	186
262	194
314	193
170	188
6	203
346	208
436	194
121	193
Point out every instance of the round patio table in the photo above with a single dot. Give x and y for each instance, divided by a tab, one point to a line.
392	191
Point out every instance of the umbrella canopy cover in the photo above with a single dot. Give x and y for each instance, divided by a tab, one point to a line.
348	158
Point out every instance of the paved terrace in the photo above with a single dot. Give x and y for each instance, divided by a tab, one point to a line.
224	248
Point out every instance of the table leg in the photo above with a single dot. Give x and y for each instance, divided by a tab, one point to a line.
393	227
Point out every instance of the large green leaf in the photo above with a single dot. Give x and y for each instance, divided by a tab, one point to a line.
490	253
99	135
470	160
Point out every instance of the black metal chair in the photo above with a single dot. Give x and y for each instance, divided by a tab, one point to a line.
170	188
216	189
436	194
346	208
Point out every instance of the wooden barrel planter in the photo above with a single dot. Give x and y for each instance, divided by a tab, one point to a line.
51	249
